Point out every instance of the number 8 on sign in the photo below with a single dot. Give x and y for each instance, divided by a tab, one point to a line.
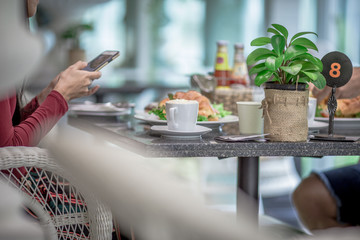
337	69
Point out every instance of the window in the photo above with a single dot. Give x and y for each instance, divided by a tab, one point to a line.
164	41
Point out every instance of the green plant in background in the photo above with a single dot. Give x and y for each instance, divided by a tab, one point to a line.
74	32
288	62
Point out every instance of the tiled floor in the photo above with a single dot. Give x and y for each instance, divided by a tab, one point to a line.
278	178
216	180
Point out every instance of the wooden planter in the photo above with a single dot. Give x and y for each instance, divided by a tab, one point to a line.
285	112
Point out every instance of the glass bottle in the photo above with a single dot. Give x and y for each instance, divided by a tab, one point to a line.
222	72
239	74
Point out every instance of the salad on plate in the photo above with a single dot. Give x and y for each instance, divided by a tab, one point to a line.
207	111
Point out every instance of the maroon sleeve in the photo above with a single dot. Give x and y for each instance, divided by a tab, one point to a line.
26	111
30	131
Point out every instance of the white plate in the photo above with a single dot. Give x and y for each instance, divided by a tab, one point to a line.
154	120
165	132
342	123
315	125
96	109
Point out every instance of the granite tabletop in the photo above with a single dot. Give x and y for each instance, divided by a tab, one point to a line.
138	137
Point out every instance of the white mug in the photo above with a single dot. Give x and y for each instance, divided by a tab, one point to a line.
181	114
250	118
311	110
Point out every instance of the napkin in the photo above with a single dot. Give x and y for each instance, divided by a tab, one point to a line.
242	138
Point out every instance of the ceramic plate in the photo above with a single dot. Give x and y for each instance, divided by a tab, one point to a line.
96	109
315	125
342	123
165	132
154	120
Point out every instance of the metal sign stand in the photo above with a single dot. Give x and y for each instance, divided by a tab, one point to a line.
337	72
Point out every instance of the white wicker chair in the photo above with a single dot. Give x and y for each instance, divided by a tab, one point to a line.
85	216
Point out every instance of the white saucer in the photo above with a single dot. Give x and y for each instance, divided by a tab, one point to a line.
318	125
165	132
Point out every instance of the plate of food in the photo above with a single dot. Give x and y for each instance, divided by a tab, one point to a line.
96	109
347	115
210	115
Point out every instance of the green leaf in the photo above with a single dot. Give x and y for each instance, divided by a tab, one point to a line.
309	66
201	118
317	62
270	63
258	68
305	43
303	80
275	78
311	75
278	43
320	81
298	61
293	51
265	56
301	34
306	65
293	70
273	63
159	111
220	108
255	55
281	29
262	77
272	30
261	41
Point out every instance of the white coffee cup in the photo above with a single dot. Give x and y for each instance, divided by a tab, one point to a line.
311	110
250	118
181	114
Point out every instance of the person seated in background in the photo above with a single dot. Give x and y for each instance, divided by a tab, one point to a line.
27	125
331	198
349	90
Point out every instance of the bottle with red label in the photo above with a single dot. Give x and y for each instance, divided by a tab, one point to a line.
239	75
222	72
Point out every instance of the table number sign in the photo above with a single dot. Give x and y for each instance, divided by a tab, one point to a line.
337	70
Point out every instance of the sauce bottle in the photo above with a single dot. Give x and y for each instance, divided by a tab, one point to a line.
222	72
239	74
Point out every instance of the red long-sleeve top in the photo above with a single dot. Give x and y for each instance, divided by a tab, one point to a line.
36	120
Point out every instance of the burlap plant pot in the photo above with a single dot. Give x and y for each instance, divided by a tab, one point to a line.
285	115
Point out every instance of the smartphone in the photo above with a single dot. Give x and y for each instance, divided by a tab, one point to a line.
101	61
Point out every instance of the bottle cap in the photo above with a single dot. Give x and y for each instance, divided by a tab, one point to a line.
222	42
239	45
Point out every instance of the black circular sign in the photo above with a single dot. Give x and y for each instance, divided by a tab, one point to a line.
337	69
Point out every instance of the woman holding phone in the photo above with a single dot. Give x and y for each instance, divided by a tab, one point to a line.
27	125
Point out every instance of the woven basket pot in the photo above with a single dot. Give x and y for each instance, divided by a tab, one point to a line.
285	115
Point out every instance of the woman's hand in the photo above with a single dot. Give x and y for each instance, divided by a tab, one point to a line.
74	82
319	94
45	92
352	88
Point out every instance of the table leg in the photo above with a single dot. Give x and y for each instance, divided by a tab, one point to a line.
248	181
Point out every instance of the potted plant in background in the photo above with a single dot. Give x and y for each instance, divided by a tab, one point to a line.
285	70
72	34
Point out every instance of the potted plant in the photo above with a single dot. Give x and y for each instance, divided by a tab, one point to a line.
285	70
73	35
